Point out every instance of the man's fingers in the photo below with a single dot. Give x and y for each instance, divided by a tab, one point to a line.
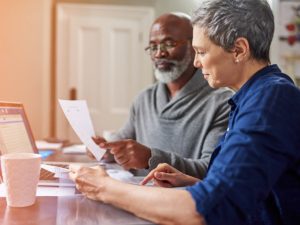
114	147
114	144
117	151
98	140
122	160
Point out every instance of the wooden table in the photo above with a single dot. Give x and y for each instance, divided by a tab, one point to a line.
66	210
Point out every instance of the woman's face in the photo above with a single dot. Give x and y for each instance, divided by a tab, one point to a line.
218	66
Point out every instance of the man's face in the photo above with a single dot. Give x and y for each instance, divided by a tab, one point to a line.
171	51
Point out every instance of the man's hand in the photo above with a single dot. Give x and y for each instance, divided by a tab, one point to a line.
129	153
107	157
165	175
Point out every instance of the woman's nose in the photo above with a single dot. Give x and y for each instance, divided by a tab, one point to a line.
197	62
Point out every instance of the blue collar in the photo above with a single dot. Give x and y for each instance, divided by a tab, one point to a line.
266	71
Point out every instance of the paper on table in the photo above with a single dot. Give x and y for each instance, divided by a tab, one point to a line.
54	169
76	112
55	191
47	191
59	172
78	149
40	144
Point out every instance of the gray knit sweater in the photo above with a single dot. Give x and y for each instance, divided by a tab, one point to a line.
183	131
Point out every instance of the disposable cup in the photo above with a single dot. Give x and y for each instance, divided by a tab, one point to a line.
20	173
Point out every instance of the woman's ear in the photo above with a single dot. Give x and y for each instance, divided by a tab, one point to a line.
241	49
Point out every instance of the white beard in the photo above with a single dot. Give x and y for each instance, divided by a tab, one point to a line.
176	71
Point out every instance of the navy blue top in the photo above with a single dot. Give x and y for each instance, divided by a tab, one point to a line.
254	175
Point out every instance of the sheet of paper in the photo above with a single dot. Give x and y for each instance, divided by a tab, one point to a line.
76	112
55	191
40	144
75	149
47	191
59	172
60	183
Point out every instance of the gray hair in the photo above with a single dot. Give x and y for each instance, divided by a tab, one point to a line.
226	20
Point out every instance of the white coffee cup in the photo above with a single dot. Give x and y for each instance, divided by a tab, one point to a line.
20	172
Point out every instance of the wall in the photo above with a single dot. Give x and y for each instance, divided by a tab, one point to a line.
175	5
27	61
24	58
160	6
27	52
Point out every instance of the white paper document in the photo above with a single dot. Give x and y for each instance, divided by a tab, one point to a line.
77	113
74	149
59	172
41	145
47	191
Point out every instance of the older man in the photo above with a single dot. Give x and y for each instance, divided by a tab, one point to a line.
179	119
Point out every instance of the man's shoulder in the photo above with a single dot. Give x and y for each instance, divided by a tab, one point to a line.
146	93
148	90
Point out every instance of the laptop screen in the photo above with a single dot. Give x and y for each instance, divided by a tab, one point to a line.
15	133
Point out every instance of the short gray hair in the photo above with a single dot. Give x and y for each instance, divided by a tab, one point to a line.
226	20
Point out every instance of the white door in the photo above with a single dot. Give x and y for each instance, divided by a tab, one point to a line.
101	58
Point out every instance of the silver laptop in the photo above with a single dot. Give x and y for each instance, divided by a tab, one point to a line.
16	135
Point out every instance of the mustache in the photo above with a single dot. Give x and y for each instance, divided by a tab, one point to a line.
174	63
159	61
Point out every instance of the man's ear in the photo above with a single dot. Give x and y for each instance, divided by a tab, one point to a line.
241	49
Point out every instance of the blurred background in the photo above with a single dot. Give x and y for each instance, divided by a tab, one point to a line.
94	50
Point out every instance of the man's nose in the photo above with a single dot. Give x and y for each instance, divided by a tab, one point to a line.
161	53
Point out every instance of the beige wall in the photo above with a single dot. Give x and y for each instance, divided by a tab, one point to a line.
27	49
24	67
164	6
27	52
160	6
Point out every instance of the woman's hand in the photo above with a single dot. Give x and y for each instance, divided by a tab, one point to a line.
89	180
165	175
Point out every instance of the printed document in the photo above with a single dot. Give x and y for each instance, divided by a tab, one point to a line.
77	113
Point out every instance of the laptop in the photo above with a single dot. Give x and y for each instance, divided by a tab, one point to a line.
15	132
16	136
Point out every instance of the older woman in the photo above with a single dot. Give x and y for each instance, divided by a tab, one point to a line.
254	175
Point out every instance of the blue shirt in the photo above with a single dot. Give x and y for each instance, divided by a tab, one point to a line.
254	175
